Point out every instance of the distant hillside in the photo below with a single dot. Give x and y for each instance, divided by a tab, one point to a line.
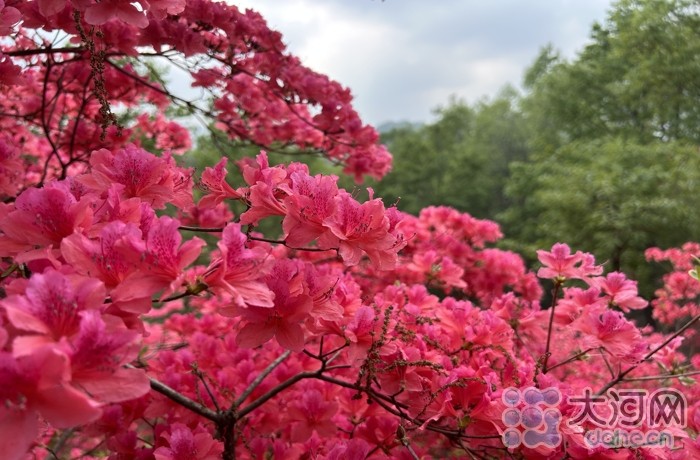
391	125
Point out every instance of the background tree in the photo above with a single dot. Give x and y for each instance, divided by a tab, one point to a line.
615	128
610	196
636	79
460	160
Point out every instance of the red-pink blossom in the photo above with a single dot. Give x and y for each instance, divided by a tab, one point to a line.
215	186
110	259
395	336
10	73
33	386
239	271
312	412
619	291
98	353
560	263
310	201
354	449
42	218
50	309
9	16
183	443
141	174
292	304
11	165
105	10
360	229
610	330
163	260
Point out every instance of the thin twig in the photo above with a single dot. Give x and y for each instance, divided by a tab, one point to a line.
201	229
283	242
200	375
661	377
622	374
573	358
555	295
184	401
258	380
275	391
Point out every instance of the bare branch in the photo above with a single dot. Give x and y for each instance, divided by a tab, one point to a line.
258	380
184	401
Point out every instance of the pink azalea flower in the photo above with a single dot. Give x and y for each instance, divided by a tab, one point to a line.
560	263
98	353
312	412
265	201
142	174
264	194
50	308
292	305
106	259
353	449
105	10
38	385
326	313
161	8
10	73
360	332
168	135
397	379
162	264
309	204
379	431
612	331
259	170
197	216
51	7
9	16
575	302
125	443
184	443
115	208
3	335
214	182
443	269
620	291
359	229
588	267
43	217
239	270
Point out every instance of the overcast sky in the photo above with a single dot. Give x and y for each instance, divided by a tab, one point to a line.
403	58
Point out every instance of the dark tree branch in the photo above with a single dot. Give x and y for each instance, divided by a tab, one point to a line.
184	401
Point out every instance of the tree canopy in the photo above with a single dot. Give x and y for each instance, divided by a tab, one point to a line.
613	131
460	160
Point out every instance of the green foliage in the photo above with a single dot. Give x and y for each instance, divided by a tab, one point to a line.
461	160
637	79
614	167
695	271
609	196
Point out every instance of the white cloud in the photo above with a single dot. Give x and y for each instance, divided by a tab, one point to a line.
402	58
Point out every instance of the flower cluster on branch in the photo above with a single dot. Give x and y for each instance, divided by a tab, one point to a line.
144	316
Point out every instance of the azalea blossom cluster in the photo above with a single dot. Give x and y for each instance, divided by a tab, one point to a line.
678	298
262	94
143	315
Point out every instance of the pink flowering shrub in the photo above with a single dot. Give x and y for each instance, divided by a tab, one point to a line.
142	320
